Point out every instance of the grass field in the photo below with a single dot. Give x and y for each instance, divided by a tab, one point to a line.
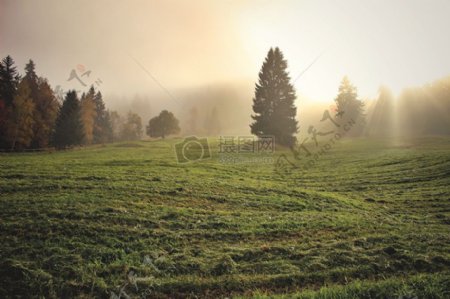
371	219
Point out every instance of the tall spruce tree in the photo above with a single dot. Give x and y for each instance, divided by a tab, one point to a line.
349	108
102	123
273	104
69	127
9	82
31	77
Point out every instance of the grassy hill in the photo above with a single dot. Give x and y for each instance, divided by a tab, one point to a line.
369	219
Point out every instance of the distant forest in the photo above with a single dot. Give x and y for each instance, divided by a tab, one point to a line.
34	116
416	111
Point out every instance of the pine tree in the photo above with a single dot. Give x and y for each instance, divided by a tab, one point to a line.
45	114
88	115
274	99
69	127
163	125
349	108
31	77
3	122
20	121
102	123
9	81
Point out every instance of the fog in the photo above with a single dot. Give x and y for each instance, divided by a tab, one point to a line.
181	43
146	56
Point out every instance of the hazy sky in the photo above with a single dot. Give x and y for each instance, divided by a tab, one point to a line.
196	43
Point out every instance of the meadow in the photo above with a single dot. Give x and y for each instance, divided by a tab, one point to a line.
370	219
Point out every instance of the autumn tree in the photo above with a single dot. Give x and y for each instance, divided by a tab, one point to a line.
46	106
273	104
132	127
69	127
46	111
163	125
88	115
20	122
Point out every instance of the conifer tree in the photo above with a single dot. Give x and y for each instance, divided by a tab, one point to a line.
102	123
69	127
9	81
273	104
349	108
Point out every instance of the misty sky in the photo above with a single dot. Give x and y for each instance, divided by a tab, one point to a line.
197	43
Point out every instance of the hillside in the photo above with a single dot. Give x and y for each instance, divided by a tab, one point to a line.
370	218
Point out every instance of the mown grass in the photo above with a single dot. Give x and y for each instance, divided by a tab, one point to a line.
369	219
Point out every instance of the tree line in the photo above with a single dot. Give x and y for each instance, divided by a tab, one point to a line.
416	111
274	104
33	117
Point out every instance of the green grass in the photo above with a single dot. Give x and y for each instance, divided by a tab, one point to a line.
369	220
